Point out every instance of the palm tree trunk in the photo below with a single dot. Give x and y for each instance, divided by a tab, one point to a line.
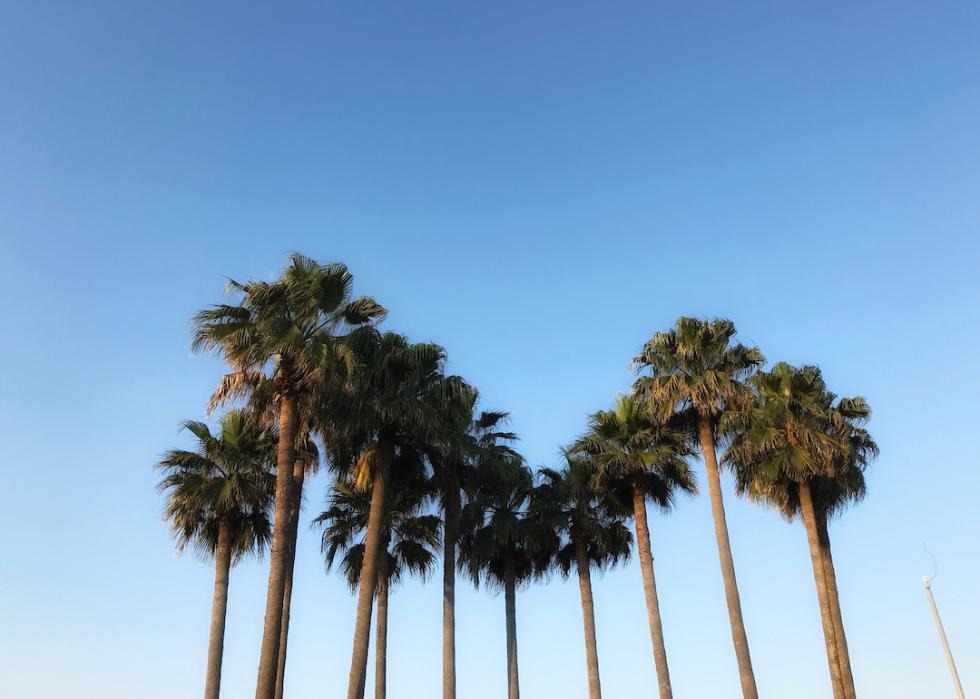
299	475
830	576
588	618
369	572
826	617
381	631
510	604
450	534
219	612
269	653
650	591
741	642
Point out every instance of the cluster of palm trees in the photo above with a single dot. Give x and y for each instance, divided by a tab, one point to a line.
419	468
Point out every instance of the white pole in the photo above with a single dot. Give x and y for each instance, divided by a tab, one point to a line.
942	637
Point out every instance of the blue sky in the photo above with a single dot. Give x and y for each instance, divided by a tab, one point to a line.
537	188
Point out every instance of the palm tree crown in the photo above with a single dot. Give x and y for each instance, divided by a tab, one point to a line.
412	537
292	322
499	537
798	431
694	365
567	500
628	447
393	397
226	480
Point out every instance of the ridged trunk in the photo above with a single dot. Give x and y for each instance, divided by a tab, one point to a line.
588	618
739	639
381	631
650	591
833	595
510	605
265	686
219	612
450	534
369	573
299	475
826	617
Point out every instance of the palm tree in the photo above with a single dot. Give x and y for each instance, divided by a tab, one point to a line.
389	409
696	372
466	440
290	328
409	541
639	459
592	535
796	441
501	546
218	500
785	438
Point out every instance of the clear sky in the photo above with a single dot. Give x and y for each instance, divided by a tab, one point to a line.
538	187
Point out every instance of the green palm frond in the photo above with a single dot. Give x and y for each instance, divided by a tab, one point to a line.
695	365
799	431
227	480
567	502
294	325
627	445
410	537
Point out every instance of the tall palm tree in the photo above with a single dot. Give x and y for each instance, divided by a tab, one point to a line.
466	440
289	328
804	453
389	409
592	535
501	546
218	500
784	437
696	371
639	459
409	541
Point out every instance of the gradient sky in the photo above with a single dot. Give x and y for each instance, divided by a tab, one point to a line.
538	187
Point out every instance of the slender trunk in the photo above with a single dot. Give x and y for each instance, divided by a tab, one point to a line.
588	617
830	575
299	475
381	630
219	612
450	534
650	591
826	617
369	572
510	604
741	642
269	653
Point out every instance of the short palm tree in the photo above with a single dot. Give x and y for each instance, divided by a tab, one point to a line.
388	410
695	371
591	532
289	327
640	459
466	439
218	501
409	539
501	546
803	451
